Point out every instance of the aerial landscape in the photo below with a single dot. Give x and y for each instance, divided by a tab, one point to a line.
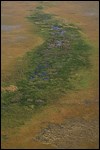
50	74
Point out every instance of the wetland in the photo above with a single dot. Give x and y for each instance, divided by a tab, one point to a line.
47	87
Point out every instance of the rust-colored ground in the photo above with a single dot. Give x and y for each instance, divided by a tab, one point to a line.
81	104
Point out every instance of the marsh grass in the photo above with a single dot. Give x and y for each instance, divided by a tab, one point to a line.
49	71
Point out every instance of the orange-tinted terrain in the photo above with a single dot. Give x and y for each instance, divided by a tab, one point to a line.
72	121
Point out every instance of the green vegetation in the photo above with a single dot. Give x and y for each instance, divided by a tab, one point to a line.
39	7
51	69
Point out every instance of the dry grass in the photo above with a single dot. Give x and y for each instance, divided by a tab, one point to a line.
10	88
72	104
